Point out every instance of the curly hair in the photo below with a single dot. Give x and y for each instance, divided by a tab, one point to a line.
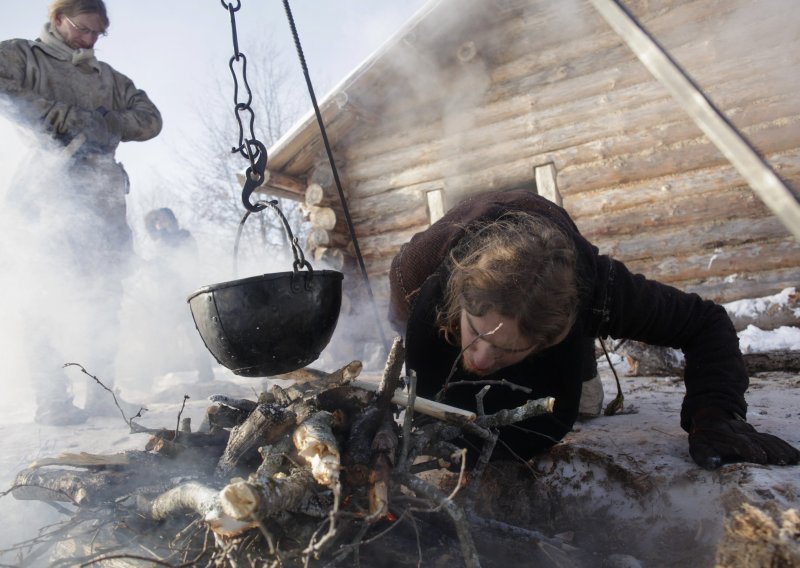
76	7
520	266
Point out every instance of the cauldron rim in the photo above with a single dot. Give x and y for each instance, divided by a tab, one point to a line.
262	278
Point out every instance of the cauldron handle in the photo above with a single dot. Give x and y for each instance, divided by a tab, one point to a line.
299	258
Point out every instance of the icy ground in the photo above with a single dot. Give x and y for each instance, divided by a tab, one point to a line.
22	441
638	467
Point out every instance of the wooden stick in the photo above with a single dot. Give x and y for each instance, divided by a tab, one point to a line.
265	425
75	486
243	500
423	405
196	497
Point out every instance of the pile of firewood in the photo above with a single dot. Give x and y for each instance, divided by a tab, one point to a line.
309	473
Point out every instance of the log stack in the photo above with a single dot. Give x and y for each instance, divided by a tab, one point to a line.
289	478
328	240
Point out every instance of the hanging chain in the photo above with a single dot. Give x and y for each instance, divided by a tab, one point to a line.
251	148
329	151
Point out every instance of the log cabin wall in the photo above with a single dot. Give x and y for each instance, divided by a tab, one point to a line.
479	95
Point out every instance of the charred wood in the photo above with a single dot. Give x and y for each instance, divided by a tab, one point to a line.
273	458
379	486
220	416
163	447
440	500
384	452
358	448
265	425
346	403
310	382
390	381
323	426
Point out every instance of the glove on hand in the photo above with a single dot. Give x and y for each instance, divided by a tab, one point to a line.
113	123
102	132
89	123
717	437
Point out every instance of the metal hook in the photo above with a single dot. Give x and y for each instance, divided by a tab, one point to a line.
229	5
254	176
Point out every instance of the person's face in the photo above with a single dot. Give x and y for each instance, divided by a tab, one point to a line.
491	342
81	31
165	224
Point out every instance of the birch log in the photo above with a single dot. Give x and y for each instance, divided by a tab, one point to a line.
319	237
243	501
198	498
328	218
655	361
72	486
332	258
317	445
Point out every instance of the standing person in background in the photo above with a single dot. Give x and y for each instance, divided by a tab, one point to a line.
176	257
70	200
504	286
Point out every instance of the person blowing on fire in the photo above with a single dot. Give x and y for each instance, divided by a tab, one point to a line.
505	285
80	109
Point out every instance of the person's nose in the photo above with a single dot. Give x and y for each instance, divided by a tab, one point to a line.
482	355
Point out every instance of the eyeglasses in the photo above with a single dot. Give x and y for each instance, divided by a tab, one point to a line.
83	30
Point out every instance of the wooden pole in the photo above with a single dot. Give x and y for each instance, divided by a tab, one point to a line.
423	405
758	174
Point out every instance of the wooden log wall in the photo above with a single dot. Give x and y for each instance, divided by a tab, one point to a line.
550	84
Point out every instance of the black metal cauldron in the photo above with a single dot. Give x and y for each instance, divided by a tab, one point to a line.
273	323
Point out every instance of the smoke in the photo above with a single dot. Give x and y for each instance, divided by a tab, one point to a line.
53	244
68	297
64	299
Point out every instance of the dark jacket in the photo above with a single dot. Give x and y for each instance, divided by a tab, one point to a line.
613	302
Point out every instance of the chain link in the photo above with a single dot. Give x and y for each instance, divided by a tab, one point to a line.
250	148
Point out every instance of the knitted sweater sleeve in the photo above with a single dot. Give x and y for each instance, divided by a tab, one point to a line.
658	314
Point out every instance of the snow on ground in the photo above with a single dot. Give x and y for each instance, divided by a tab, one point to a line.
22	441
626	486
650	438
755	340
752	307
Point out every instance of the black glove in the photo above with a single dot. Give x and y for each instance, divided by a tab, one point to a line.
718	437
101	134
114	123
